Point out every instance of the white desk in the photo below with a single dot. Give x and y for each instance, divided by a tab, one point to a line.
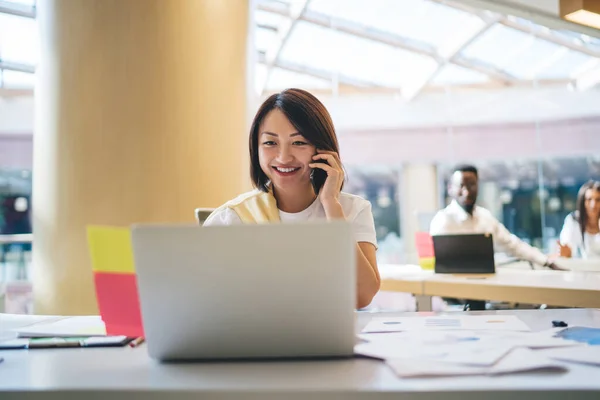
126	373
557	288
572	264
576	264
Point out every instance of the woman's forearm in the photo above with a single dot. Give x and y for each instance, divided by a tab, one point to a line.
367	279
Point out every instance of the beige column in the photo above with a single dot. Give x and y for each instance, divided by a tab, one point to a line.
140	117
419	203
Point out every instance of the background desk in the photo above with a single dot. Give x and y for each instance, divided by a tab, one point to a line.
572	264
575	264
126	373
557	288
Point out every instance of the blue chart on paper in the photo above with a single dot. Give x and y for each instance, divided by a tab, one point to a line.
581	334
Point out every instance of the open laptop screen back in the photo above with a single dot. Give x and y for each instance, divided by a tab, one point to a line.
247	291
456	254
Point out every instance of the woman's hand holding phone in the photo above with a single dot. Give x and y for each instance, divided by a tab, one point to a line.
329	193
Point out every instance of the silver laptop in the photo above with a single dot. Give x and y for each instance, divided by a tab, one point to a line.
247	291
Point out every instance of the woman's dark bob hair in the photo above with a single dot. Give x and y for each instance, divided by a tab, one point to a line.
306	113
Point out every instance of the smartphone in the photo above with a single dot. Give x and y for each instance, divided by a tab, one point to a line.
318	177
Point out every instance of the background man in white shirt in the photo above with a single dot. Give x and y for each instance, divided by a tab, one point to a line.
463	216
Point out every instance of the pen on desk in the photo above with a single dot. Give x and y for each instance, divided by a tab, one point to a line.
136	342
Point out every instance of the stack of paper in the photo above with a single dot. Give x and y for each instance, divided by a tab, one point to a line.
458	345
450	322
588	353
64	327
57	332
518	360
455	343
582	354
10	322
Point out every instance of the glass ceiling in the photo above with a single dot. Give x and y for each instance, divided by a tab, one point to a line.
348	57
410	46
18	44
422	21
406	47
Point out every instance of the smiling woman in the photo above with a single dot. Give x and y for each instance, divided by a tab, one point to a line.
298	175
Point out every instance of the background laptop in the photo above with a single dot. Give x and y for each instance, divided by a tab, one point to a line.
247	291
471	254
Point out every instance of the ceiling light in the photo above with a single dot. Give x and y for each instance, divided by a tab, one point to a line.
583	12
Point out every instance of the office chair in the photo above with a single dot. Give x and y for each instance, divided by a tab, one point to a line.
202	214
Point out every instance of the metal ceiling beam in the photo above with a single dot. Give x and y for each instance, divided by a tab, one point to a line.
12	66
318	73
267	27
494	73
355	29
371	88
327	75
455	54
570	44
369	33
279	7
407	44
272	56
17	9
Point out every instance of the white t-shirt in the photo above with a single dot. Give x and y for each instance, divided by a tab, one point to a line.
589	248
356	209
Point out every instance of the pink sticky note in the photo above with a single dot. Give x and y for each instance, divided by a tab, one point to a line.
118	300
424	243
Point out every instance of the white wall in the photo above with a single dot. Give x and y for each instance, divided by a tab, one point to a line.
16	114
577	137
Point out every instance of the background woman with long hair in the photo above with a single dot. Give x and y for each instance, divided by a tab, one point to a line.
580	236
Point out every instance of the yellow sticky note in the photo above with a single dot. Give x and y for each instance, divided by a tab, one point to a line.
110	248
427	262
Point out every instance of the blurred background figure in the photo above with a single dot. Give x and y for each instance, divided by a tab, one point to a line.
463	216
580	235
